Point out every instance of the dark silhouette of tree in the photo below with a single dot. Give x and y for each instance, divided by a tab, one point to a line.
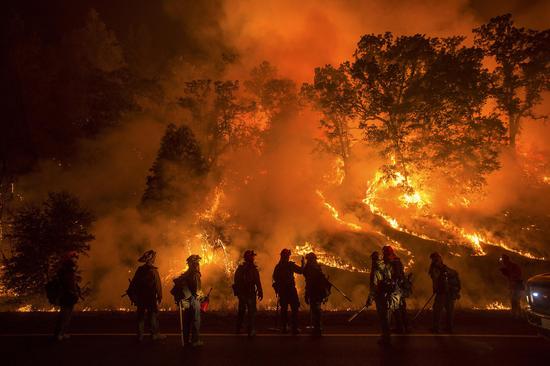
419	101
271	93
218	114
333	94
39	237
522	72
176	178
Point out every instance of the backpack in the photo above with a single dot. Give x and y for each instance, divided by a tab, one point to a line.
180	290
244	281
453	283
53	291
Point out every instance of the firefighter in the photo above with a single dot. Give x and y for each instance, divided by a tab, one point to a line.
446	286
317	290
145	291
512	272
401	286
247	287
285	288
188	294
68	293
381	293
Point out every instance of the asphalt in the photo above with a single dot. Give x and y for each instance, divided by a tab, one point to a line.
480	338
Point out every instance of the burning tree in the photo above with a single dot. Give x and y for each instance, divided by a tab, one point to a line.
271	95
333	93
39	237
218	114
522	69
419	100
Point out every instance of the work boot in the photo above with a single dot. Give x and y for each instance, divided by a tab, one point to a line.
158	337
197	344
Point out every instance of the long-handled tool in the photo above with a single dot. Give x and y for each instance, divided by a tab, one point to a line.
181	324
340	291
423	308
357	313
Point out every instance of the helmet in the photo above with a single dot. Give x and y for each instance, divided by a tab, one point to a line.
285	253
375	256
147	256
311	256
387	251
249	255
193	258
504	258
435	255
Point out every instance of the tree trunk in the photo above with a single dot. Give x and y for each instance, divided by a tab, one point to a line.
513	129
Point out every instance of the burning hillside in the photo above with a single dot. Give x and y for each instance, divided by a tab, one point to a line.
425	142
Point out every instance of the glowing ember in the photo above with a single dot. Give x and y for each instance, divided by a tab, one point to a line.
497	305
25	308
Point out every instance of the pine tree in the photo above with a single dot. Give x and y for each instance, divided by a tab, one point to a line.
177	174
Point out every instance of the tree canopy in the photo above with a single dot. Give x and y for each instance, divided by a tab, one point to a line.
40	235
522	71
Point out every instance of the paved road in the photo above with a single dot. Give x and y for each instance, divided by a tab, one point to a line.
482	338
331	350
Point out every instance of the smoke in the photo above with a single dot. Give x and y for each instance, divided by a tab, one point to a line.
272	198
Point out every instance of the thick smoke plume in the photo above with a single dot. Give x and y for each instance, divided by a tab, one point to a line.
280	198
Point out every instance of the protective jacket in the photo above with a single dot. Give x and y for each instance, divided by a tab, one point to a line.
317	284
283	277
512	272
69	290
145	288
187	286
383	285
445	281
247	281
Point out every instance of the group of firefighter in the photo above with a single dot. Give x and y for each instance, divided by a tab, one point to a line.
389	289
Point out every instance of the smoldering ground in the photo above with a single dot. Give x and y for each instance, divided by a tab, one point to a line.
271	198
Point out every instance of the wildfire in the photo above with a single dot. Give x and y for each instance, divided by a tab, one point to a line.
497	305
30	308
327	259
413	196
477	239
334	212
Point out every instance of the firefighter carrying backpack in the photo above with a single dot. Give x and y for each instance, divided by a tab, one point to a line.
53	291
